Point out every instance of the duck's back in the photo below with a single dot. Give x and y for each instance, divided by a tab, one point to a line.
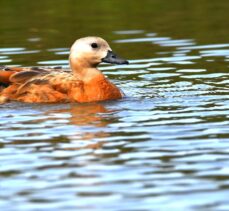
36	85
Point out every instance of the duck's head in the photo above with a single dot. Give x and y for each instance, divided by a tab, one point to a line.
90	51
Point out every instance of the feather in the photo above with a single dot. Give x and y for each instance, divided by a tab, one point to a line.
24	76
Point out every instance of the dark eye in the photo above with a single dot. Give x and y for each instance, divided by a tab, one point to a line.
94	45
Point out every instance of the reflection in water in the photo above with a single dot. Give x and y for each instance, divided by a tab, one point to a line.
85	114
75	121
88	116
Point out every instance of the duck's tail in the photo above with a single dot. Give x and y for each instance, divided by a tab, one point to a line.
5	73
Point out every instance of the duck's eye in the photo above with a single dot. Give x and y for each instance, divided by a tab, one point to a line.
94	45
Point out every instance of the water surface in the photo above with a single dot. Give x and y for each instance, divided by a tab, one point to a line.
165	145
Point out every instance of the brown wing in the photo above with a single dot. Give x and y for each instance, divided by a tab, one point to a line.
38	84
41	86
22	74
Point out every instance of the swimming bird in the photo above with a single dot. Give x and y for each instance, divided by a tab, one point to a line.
83	83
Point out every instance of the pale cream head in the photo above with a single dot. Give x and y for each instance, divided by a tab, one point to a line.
88	51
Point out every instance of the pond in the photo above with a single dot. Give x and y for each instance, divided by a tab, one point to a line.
165	145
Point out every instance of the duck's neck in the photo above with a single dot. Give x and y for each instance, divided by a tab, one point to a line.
85	72
95	85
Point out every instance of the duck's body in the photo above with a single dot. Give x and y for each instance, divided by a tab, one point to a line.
55	85
83	83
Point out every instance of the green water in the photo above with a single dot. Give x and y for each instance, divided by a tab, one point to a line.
164	146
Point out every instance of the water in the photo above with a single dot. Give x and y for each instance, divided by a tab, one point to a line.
165	145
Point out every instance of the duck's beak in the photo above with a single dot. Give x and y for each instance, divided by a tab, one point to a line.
114	59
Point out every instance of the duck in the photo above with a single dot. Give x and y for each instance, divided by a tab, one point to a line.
82	83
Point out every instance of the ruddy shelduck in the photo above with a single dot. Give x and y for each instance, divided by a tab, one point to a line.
84	83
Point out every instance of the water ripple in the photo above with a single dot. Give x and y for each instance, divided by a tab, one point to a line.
165	141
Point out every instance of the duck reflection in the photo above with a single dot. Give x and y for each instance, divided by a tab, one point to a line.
91	121
88	114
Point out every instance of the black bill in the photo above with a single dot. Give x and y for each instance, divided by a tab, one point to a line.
114	59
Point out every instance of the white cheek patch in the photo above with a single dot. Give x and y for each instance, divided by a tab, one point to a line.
79	48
